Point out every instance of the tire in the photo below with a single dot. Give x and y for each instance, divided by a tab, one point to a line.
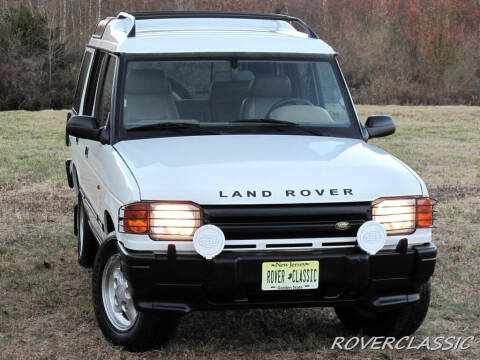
86	243
397	322
117	317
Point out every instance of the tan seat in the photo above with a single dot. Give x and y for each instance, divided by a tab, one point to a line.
148	98
264	92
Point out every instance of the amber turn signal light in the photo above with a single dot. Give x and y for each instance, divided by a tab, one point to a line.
135	218
424	212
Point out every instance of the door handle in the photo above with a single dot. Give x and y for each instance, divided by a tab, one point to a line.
86	151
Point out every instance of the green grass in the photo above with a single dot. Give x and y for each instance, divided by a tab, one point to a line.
31	146
45	301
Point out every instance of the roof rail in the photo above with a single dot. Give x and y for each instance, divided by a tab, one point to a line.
125	15
210	14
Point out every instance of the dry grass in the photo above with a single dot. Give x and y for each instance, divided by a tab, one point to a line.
45	301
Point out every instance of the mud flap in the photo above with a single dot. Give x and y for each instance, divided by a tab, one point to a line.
75	220
69	174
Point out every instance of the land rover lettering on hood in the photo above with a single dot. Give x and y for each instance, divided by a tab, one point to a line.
218	163
287	193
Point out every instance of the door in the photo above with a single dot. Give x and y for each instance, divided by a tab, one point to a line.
81	147
100	155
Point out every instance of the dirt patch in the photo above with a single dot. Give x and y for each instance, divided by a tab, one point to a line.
447	192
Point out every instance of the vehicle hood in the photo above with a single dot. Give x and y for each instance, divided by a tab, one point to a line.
265	169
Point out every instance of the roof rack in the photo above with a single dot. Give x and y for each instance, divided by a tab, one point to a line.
210	14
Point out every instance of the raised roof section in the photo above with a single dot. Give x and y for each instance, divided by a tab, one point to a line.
206	32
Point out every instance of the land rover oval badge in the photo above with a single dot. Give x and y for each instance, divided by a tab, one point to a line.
342	225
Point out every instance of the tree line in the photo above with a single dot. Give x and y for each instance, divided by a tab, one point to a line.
391	51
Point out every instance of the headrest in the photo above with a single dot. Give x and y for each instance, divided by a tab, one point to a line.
147	81
233	75
271	86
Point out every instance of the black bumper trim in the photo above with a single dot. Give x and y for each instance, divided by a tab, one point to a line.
232	279
395	300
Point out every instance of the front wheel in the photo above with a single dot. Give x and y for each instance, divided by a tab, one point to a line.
121	323
397	322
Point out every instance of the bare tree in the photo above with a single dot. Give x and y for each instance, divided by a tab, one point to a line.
81	24
54	48
89	22
64	16
184	4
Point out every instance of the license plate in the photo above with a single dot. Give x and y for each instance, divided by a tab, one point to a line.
290	275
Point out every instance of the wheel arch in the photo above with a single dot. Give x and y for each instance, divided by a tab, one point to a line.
109	224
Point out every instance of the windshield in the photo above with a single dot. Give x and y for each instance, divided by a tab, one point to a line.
235	96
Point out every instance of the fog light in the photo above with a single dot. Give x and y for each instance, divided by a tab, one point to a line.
209	241
371	237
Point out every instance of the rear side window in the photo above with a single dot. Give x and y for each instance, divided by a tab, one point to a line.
89	100
82	79
106	97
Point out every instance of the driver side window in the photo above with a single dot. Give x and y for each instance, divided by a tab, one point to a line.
105	101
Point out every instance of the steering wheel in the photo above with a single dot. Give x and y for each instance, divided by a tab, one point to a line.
179	89
285	102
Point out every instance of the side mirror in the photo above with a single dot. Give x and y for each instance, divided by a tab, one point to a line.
379	125
85	127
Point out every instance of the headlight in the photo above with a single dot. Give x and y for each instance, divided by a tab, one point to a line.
161	220
403	215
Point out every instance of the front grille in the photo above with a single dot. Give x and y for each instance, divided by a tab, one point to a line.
287	221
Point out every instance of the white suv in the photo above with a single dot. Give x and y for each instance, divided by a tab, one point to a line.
219	164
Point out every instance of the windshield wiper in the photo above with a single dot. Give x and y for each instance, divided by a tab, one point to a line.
171	126
268	121
278	122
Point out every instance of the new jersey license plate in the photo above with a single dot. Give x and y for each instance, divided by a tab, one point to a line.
290	275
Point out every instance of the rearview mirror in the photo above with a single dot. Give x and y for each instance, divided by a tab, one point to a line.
379	125
84	127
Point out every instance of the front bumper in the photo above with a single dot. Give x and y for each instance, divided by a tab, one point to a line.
232	280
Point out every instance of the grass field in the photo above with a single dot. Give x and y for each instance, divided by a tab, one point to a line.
45	297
